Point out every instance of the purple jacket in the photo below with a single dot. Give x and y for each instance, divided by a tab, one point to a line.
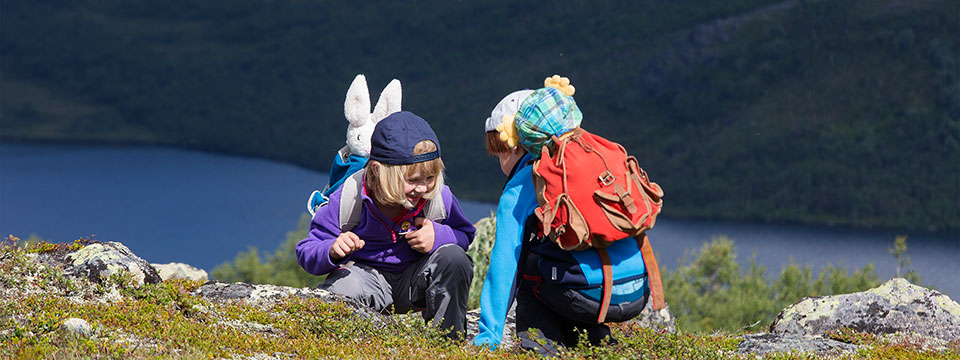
380	250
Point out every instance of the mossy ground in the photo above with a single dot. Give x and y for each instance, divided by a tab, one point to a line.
167	321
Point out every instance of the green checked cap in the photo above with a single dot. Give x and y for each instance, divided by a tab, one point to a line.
545	113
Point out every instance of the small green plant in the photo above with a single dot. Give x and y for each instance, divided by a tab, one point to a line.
40	246
710	293
851	336
635	342
899	251
479	251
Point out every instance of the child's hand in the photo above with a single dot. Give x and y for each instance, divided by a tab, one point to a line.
421	239
346	244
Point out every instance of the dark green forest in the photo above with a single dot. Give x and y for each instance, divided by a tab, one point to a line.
816	112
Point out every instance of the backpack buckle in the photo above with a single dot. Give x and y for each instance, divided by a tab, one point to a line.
606	178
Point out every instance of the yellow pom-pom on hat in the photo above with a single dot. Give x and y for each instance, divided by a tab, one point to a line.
508	131
561	83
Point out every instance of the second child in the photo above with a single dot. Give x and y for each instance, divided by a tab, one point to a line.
554	305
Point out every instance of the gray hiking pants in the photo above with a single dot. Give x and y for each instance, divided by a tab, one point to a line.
438	285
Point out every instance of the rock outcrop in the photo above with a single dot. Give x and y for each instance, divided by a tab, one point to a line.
100	260
177	270
896	306
77	326
662	318
897	311
264	295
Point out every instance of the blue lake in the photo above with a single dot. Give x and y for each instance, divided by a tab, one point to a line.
170	205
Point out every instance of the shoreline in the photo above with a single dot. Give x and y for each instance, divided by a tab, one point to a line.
839	225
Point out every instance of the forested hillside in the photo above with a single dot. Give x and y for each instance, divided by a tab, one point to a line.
820	112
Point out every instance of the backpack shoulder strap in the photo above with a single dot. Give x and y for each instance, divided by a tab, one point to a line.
350	201
653	277
607	284
435	209
351	204
653	272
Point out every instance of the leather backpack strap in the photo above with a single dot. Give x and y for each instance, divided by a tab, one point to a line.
653	272
607	284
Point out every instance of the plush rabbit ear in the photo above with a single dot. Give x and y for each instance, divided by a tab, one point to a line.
356	108
389	101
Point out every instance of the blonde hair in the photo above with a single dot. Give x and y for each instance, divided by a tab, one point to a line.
385	181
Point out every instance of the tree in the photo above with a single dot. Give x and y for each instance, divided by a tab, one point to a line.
899	251
281	267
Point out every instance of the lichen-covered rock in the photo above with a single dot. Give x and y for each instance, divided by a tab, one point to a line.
662	319
761	344
177	270
77	326
262	293
268	295
895	306
101	260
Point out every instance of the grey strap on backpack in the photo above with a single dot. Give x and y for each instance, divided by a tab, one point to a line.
435	210
351	205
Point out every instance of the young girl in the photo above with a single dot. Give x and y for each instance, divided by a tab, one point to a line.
394	255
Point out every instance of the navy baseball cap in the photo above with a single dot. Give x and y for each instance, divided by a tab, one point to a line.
395	136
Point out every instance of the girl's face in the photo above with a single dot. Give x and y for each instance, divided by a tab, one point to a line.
417	184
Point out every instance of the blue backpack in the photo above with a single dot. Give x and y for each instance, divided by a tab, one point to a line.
573	282
344	164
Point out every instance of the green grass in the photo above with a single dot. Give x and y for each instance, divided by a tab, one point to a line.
166	321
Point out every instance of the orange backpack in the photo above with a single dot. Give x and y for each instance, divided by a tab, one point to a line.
592	193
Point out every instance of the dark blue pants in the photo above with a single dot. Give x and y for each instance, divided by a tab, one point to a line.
554	317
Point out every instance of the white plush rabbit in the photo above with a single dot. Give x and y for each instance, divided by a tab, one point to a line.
356	108
352	157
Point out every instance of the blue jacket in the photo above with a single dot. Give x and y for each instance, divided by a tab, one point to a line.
499	287
383	248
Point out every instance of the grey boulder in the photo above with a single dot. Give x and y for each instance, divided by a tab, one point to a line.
896	306
99	261
177	270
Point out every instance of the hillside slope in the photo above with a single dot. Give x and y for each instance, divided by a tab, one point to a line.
100	300
810	111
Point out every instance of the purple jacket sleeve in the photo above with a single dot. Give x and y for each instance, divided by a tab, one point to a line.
313	253
456	228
